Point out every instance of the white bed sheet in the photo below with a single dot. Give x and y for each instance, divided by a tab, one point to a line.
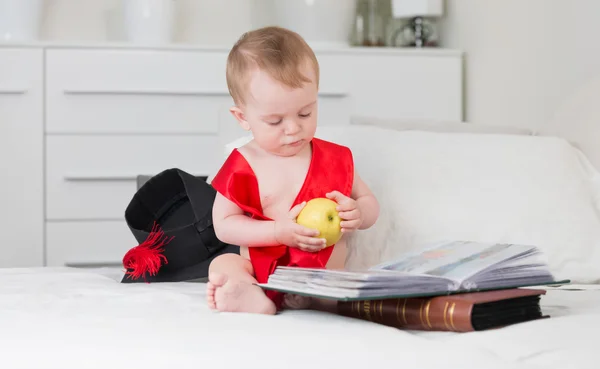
73	319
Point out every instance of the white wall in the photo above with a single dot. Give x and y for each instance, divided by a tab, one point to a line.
525	59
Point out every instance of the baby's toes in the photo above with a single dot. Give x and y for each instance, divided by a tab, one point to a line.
210	295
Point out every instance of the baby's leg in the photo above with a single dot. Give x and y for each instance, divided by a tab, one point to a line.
298	302
230	287
328	306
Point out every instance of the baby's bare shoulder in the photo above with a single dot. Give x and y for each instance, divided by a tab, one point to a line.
247	148
250	153
255	158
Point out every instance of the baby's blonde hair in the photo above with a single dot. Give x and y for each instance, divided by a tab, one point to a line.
277	51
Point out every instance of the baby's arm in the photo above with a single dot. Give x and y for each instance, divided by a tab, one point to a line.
360	210
366	202
234	227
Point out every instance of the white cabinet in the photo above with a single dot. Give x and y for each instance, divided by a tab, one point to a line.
21	157
78	124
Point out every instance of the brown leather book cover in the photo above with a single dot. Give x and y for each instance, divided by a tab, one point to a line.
463	312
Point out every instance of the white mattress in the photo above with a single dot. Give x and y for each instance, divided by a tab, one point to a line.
74	319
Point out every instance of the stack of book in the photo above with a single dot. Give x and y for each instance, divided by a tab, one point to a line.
448	286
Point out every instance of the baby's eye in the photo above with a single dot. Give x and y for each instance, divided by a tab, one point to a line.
305	115
275	122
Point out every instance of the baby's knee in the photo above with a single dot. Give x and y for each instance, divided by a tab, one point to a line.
217	264
229	262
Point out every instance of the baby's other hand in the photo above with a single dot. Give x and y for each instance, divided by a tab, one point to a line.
290	233
348	211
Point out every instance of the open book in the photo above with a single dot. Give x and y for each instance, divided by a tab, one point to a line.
441	268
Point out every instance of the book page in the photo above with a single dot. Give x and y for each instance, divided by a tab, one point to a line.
457	260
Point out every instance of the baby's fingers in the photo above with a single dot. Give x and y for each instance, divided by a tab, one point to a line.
305	231
314	241
336	196
310	248
349	225
296	210
349	215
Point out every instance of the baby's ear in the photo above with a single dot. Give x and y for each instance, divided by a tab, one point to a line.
239	115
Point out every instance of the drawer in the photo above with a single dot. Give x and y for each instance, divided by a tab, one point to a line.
20	70
82	244
94	177
134	91
414	85
335	74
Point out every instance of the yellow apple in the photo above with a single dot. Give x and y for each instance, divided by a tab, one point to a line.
320	214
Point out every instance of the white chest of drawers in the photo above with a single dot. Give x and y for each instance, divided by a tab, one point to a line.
78	124
21	157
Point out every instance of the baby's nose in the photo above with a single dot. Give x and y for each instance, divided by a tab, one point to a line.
292	127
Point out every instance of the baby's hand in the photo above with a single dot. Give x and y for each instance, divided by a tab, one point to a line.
348	210
290	233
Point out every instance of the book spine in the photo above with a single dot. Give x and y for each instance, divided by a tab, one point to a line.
431	314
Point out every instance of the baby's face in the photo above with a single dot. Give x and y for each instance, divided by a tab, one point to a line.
283	120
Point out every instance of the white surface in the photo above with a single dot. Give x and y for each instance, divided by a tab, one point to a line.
21	158
70	319
480	187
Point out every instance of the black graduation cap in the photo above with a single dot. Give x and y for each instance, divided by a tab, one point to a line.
171	218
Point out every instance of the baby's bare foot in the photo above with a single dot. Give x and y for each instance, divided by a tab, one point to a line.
230	295
296	302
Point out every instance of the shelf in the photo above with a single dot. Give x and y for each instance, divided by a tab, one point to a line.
225	48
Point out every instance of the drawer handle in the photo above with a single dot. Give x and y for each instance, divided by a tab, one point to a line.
85	265
147	92
100	177
338	94
13	91
108	177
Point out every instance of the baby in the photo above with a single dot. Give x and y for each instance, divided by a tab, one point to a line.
273	78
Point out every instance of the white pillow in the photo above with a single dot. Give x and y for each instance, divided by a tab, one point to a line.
500	188
433	125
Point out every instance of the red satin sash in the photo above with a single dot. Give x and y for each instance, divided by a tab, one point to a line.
331	168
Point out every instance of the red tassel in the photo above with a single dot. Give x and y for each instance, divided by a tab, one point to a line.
147	257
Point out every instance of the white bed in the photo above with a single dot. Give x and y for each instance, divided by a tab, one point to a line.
64	318
542	190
